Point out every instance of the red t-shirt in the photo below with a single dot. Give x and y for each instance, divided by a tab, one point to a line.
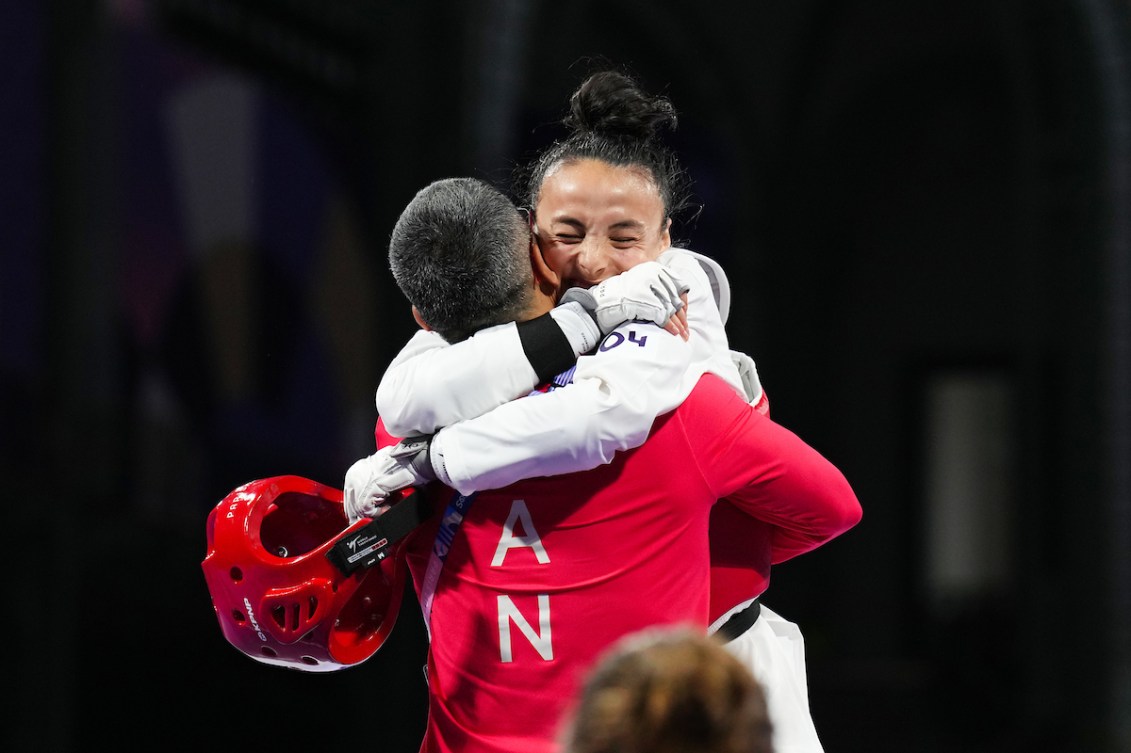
542	576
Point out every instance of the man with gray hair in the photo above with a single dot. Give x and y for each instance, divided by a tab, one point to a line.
460	253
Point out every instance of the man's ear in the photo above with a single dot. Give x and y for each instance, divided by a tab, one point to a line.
420	319
543	275
666	235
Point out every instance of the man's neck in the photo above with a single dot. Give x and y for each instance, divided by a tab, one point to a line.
540	304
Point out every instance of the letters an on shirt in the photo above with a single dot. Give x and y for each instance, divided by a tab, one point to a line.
540	640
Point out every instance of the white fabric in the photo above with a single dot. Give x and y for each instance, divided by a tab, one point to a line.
710	346
720	285
774	649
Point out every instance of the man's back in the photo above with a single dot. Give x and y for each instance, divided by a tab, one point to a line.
543	575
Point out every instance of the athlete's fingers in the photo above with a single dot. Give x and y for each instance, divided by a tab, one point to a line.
677	324
672	325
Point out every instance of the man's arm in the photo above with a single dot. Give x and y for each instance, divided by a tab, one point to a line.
767	471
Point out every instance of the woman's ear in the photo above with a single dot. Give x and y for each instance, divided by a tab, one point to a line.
666	235
420	320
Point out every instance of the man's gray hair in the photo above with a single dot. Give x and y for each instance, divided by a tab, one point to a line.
460	253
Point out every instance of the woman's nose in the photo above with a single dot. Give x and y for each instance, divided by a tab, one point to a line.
591	261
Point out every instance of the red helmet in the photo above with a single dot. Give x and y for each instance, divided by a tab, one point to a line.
278	596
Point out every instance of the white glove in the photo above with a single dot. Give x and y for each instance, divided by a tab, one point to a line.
371	480
578	325
751	383
649	292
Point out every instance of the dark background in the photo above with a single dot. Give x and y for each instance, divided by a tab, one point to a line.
908	196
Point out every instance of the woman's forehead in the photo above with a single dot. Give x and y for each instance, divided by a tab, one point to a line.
596	180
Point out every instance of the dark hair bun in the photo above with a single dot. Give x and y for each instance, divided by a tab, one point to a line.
611	104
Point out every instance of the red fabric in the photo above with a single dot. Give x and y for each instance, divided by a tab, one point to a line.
611	551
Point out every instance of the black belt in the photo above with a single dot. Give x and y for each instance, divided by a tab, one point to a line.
739	622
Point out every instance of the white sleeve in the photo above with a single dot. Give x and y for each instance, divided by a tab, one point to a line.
431	384
616	394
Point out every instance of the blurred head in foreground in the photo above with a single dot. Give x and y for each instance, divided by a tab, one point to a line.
669	691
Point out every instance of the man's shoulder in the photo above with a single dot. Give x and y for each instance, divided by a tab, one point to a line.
711	407
712	390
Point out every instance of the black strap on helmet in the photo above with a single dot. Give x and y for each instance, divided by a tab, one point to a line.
365	547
